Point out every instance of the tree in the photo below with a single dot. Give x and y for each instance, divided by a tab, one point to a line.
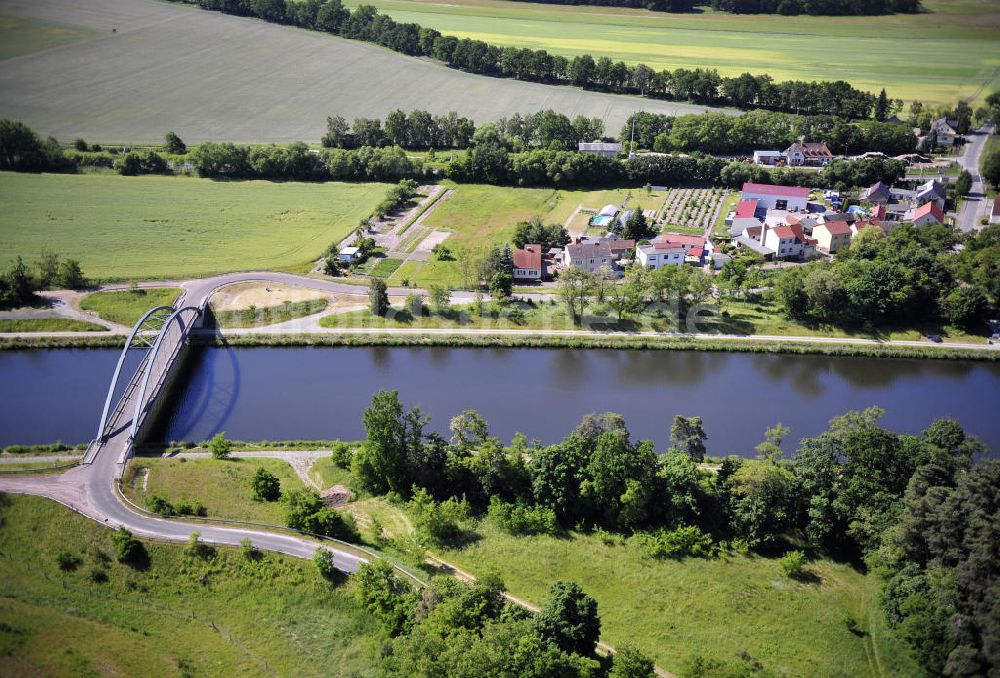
378	297
573	286
688	435
770	449
569	619
963	184
440	296
793	564
882	106
386	596
71	275
220	446
264	485
965	307
16	288
173	144
469	430
381	463
991	168
48	269
636	227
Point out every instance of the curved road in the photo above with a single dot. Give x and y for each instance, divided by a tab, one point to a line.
196	291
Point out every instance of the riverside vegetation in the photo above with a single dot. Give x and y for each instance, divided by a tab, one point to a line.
910	511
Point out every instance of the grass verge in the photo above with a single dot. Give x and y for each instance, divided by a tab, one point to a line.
48	325
127	306
182	616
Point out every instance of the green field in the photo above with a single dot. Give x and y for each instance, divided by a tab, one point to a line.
24	36
184	616
175	227
126	307
676	610
48	325
938	56
223	487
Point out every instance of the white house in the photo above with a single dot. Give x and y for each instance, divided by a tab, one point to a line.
808	154
768	158
601	149
945	131
349	253
995	215
931	191
790	198
671	249
928	213
589	256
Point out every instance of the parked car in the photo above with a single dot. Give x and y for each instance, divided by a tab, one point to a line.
936	338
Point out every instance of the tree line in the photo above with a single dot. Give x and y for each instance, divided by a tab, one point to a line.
915	508
910	276
543	129
722	134
704	86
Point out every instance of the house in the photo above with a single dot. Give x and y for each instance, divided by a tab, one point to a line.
620	248
931	191
601	149
928	213
768	158
879	193
808	154
945	131
744	217
995	215
671	249
807	222
782	241
792	198
528	264
589	256
716	255
832	236
349	254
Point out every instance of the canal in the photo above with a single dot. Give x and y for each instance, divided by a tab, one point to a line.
319	393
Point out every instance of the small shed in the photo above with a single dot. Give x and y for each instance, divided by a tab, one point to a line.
349	253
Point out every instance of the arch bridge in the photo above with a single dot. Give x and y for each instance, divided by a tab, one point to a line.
160	336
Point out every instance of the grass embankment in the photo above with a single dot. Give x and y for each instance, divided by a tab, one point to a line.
176	227
742	318
183	616
269	315
223	487
48	325
127	306
674	610
953	42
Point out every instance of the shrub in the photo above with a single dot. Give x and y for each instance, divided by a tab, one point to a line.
323	558
196	548
332	523
521	518
342	454
67	562
249	551
264	485
128	549
793	563
438	523
686	540
158	504
191	508
415	305
220	446
98	575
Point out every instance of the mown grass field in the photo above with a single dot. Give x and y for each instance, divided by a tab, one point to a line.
48	325
937	56
127	306
184	616
128	228
223	487
266	82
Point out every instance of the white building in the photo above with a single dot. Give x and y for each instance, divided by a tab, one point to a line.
792	198
671	249
601	149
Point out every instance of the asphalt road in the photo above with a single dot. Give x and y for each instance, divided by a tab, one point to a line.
976	205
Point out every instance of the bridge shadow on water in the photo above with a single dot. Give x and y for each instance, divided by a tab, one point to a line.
203	397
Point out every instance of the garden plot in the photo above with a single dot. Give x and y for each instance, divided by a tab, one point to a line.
693	209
